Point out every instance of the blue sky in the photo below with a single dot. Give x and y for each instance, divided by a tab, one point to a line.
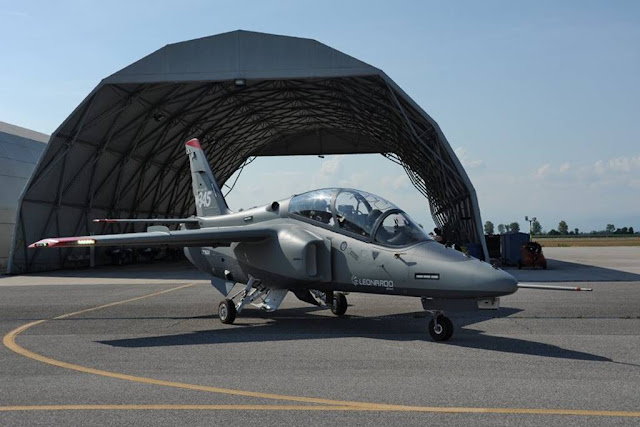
540	100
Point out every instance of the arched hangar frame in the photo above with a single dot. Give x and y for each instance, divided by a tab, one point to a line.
244	94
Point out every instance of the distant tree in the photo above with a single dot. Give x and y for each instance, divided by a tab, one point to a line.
501	228
563	228
624	230
514	227
553	233
488	227
631	230
507	227
610	228
536	228
576	231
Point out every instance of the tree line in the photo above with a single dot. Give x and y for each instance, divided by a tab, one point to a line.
562	229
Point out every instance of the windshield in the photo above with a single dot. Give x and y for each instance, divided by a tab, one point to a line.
397	229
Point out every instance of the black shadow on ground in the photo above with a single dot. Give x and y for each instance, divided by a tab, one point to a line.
289	325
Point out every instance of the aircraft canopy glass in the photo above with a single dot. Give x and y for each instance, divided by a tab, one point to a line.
357	212
314	205
397	229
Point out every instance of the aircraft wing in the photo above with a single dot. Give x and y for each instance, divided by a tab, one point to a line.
214	236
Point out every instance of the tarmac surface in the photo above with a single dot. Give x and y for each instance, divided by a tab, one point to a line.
151	351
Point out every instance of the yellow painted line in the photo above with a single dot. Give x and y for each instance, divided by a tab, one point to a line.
9	341
324	408
111	304
170	407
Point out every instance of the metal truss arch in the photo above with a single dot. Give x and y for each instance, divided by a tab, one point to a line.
244	95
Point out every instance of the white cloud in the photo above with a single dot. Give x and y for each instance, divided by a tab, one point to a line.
599	167
543	170
329	172
14	13
619	164
468	163
395	183
331	166
601	173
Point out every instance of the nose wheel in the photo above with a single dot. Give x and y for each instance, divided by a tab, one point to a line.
339	304
440	328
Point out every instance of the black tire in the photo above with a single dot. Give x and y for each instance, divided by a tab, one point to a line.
444	330
339	304
450	328
227	312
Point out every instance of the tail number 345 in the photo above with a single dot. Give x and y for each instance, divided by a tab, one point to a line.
203	199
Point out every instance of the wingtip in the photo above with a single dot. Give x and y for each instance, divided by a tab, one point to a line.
64	242
44	243
195	143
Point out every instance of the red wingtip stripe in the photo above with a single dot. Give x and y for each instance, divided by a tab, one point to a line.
194	143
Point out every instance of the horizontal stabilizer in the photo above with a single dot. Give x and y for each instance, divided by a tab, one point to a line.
147	220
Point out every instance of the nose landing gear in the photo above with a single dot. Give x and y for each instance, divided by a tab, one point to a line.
440	327
339	304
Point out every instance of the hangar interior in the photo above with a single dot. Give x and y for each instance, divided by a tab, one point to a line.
243	94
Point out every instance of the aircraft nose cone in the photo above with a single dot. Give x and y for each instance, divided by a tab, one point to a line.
504	282
496	281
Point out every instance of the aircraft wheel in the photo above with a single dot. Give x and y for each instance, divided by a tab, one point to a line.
443	330
339	304
227	311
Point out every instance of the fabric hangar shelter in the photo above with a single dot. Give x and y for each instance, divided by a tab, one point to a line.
243	94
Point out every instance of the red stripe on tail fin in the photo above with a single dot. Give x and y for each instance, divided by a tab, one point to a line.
194	143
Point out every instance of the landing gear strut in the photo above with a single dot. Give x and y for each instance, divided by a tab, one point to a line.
253	293
440	327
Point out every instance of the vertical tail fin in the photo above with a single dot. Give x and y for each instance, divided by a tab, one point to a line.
209	199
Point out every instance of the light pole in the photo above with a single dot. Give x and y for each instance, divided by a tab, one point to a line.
526	218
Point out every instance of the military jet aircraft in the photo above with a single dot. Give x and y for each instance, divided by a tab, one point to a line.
318	245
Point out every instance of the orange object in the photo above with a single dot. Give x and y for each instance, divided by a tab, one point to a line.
531	256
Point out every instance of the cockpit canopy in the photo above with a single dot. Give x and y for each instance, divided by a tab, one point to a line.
359	214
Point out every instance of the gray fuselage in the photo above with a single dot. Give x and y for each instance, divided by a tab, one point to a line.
313	255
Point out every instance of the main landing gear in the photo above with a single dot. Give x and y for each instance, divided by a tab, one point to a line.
336	301
440	327
254	293
227	311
